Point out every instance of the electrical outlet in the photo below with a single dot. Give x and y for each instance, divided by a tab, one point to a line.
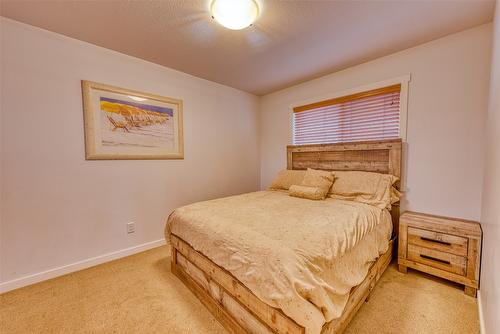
130	227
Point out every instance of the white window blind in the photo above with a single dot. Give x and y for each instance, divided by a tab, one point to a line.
371	115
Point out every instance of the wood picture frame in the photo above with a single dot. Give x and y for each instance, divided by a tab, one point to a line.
124	124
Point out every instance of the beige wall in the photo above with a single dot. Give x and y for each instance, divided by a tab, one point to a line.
490	218
59	208
446	113
1	145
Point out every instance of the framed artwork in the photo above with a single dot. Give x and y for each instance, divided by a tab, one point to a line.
126	124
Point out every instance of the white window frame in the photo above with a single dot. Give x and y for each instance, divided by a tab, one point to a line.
403	80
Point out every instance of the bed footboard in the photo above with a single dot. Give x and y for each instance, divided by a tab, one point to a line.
233	304
239	310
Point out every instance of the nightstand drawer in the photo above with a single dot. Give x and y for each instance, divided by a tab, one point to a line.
437	259
438	241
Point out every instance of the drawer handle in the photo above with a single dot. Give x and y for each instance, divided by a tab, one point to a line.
436	241
434	259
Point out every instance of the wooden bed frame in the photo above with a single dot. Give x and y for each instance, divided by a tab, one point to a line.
233	304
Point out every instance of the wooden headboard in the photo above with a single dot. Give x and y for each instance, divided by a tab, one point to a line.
383	156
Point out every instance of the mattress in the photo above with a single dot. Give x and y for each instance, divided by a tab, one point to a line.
298	255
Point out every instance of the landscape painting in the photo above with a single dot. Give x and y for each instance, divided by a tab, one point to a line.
125	124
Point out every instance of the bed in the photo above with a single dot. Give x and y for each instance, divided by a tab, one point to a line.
225	252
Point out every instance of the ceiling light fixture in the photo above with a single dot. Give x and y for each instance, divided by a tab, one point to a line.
235	14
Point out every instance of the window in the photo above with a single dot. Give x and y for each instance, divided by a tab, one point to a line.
369	115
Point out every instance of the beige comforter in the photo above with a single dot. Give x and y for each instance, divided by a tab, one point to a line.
299	255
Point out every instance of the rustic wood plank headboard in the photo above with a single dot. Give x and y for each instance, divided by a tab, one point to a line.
383	156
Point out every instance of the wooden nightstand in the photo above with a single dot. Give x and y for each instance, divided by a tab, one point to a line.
446	247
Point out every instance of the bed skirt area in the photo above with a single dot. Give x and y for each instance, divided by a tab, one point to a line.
239	310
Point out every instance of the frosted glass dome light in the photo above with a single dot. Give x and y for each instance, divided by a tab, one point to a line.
235	14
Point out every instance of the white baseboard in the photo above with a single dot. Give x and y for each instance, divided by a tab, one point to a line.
482	330
69	268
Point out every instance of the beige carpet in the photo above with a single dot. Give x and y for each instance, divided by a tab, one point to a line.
138	294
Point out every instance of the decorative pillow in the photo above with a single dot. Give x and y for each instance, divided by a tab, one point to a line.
286	178
315	193
318	178
365	187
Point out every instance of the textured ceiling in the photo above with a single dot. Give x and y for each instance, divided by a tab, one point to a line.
292	41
